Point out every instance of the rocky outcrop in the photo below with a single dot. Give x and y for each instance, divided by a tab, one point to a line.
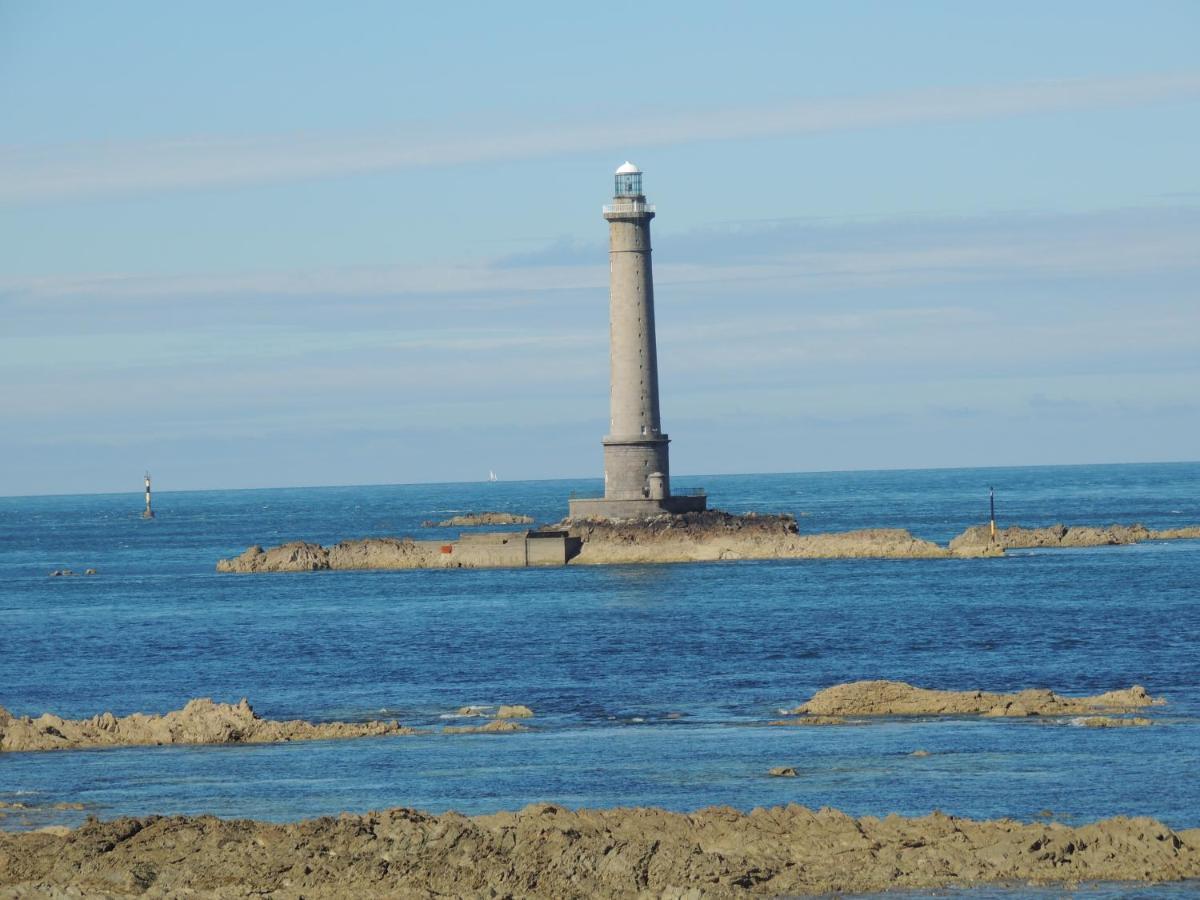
553	852
1115	722
369	553
1018	537
712	535
896	698
297	556
484	518
518	711
1187	532
688	537
691	537
810	720
201	721
501	721
384	553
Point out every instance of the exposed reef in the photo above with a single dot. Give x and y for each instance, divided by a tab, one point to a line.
1017	537
201	721
482	518
687	537
495	726
549	851
713	535
500	723
1115	722
896	698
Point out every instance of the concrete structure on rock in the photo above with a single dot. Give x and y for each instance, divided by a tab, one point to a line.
637	476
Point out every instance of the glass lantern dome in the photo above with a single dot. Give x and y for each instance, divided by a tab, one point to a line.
628	181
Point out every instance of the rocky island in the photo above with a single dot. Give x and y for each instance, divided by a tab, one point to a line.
685	537
201	721
836	705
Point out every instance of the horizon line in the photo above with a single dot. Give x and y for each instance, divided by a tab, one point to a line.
316	487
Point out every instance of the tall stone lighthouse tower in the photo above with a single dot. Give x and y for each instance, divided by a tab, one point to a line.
637	474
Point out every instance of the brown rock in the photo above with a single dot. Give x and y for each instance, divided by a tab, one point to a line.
896	698
811	720
783	772
514	712
548	851
690	537
1016	536
715	535
298	556
1115	722
1188	532
482	518
493	727
201	721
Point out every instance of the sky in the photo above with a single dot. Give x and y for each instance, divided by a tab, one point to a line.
287	244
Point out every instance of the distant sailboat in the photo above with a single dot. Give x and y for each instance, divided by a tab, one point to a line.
492	476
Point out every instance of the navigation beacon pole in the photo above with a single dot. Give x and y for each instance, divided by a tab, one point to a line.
992	522
149	513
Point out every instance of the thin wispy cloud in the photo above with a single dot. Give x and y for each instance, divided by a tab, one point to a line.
30	174
801	258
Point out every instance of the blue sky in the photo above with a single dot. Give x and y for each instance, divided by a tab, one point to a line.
289	244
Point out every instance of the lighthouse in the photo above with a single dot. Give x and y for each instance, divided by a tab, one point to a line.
637	473
149	512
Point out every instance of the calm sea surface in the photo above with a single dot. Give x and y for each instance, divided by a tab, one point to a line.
651	684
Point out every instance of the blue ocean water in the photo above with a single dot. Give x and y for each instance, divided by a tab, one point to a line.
652	684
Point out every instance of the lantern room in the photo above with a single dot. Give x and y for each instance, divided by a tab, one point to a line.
628	181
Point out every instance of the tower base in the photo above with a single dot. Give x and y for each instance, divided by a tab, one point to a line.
602	508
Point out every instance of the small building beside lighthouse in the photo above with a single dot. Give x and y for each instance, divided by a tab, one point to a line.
637	473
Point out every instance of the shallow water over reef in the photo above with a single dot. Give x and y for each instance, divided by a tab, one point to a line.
651	684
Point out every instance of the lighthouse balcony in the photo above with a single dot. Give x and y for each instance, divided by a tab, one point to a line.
631	207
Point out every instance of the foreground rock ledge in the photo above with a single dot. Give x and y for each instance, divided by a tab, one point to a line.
897	698
201	721
690	537
548	851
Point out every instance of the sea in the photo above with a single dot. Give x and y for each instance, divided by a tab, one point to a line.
651	684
